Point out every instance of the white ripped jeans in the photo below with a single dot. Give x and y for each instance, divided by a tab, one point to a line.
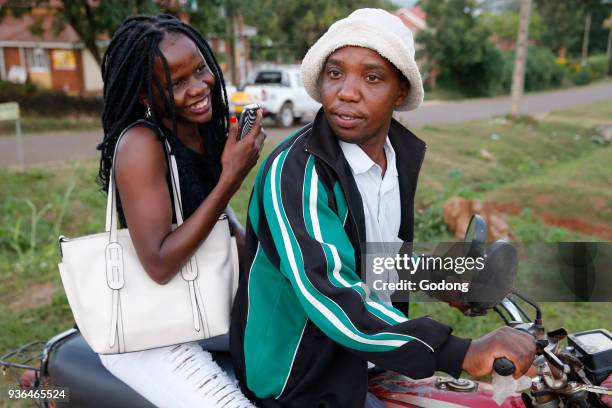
182	376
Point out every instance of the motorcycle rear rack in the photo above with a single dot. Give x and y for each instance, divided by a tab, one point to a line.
38	350
32	356
21	357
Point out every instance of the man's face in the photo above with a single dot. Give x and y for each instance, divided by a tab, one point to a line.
359	91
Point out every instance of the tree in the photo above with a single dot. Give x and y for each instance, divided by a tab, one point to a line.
89	19
518	76
456	45
607	24
597	36
209	18
504	25
563	22
296	24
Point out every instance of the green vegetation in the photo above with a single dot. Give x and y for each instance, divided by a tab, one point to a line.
39	124
572	316
555	190
467	50
504	24
537	164
34	101
529	159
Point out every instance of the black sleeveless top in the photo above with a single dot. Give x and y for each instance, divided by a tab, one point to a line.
198	173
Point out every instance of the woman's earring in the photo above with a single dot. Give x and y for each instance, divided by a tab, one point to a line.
148	112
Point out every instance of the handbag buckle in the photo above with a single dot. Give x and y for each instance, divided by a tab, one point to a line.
190	270
114	266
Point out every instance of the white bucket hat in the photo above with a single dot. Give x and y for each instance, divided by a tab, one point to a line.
377	30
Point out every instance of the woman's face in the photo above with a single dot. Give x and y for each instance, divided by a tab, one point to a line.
192	81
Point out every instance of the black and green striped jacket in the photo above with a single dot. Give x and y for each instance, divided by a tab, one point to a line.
303	327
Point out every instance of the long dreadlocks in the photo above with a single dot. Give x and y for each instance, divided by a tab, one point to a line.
127	71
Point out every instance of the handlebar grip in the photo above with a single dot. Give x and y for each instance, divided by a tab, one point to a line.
503	366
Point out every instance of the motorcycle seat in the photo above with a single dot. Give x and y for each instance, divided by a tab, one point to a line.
74	365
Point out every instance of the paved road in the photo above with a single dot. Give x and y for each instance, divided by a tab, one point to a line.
53	147
59	146
471	109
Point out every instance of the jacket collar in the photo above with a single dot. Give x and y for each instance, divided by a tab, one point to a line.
409	154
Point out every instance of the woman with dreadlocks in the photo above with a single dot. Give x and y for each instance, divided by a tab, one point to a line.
163	71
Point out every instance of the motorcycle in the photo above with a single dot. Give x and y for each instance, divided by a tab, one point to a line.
567	375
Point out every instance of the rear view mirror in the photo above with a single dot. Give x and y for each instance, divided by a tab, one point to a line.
476	236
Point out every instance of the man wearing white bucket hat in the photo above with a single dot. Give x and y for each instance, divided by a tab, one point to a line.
304	325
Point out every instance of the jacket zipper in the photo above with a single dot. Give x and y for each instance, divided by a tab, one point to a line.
344	190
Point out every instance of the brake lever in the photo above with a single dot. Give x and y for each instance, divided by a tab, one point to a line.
554	360
595	389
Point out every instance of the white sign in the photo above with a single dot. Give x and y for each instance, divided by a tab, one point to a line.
9	111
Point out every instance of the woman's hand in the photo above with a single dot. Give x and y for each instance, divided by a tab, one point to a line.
140	173
239	156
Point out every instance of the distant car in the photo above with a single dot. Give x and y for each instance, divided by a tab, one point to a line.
279	90
238	100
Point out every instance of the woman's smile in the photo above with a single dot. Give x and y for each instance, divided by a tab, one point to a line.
200	107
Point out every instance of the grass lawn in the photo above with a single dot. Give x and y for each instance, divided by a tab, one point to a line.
555	190
547	166
541	166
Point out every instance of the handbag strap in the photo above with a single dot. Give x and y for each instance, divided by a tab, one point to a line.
112	214
114	252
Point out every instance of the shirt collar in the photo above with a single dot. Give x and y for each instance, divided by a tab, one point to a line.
360	162
390	153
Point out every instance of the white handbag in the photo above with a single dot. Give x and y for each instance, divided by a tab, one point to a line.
119	308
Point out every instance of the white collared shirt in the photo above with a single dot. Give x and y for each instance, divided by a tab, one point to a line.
380	195
381	201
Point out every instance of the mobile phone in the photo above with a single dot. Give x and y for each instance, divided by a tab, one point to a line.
247	119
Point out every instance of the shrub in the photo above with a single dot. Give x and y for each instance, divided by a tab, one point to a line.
597	65
581	77
558	76
542	70
482	78
429	224
44	102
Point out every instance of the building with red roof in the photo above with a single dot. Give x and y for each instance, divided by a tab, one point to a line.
31	50
413	17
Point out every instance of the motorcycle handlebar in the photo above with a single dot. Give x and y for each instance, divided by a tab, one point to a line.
503	366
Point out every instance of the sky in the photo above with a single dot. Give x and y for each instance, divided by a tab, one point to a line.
484	4
404	3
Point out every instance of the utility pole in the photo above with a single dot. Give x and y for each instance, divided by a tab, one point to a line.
518	77
608	24
232	38
585	38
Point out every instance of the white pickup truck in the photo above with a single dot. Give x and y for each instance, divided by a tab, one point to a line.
279	90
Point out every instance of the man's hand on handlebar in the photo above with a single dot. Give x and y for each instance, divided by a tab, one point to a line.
515	345
606	399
